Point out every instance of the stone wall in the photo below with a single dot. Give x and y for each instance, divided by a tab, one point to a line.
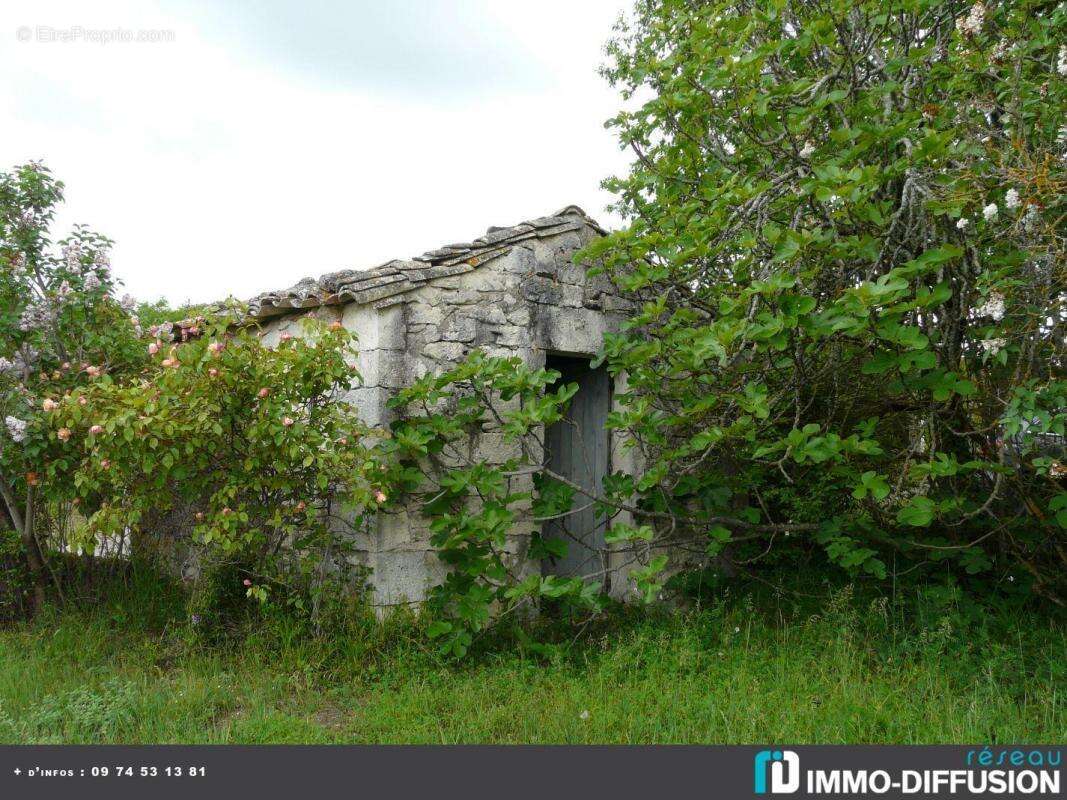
519	294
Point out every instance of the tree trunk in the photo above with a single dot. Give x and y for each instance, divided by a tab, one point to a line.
24	525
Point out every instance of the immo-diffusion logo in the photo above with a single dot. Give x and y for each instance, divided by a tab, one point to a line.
784	769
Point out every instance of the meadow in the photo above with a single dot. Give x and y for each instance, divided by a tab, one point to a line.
737	664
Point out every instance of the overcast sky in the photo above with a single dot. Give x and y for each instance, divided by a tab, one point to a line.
274	140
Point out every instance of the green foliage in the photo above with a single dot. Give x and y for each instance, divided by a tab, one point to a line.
61	327
81	714
846	237
832	665
277	474
474	507
14	585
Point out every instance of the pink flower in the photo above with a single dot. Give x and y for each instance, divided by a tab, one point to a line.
83	400
263	392
287	421
93	372
96	429
226	511
301	506
336	325
215	348
105	464
286	336
153	348
63	434
169	362
247	582
49	404
214	373
380	497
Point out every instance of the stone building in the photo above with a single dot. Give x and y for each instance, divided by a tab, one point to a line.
513	292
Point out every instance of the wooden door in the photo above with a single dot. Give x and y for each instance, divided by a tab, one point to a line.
577	448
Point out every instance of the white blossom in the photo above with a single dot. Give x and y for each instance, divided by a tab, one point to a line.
992	307
962	223
16	428
73	254
971	25
1011	199
807	150
990	212
1061	61
993	346
128	303
35	316
92	282
102	261
7	365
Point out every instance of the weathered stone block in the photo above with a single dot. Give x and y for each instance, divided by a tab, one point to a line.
444	351
457	328
394	369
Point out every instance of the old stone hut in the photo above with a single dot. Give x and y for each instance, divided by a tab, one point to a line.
515	292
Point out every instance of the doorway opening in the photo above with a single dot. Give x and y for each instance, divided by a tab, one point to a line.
578	448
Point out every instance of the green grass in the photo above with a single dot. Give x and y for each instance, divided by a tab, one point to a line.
737	668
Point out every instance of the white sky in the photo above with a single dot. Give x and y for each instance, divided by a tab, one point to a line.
275	140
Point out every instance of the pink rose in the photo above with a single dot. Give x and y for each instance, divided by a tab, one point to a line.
247	582
49	404
105	463
63	434
96	429
380	497
263	392
153	348
287	421
82	401
214	373
215	348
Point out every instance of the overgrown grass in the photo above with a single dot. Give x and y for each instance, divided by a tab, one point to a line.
738	666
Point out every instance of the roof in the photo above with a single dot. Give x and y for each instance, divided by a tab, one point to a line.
403	275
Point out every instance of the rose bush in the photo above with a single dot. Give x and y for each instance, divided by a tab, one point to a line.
249	445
